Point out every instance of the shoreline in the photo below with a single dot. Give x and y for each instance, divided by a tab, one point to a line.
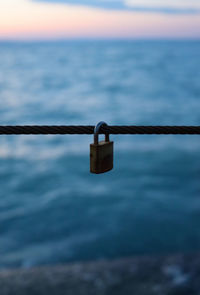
171	274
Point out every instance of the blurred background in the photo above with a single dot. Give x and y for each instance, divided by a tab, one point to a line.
80	62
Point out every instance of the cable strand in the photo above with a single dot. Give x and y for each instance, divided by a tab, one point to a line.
76	129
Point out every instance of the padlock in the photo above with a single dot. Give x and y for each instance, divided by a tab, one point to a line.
101	152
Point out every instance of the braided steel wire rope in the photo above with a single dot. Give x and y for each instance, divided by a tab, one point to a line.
76	129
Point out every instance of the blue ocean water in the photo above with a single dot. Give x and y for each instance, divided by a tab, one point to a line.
52	210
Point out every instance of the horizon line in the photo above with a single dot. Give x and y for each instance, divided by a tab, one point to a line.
67	39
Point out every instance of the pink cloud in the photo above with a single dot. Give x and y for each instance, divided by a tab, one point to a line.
31	20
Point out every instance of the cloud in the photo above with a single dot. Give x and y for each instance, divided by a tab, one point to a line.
165	6
39	20
184	6
106	4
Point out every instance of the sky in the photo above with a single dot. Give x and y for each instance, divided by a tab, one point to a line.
99	19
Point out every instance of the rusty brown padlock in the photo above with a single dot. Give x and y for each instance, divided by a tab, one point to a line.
101	152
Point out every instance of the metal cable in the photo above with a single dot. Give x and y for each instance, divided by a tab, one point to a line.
17	130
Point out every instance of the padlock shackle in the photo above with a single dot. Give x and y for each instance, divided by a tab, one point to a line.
97	130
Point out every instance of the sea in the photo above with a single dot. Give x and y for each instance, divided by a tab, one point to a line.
52	210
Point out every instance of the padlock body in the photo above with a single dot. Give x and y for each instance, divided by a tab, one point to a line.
101	157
